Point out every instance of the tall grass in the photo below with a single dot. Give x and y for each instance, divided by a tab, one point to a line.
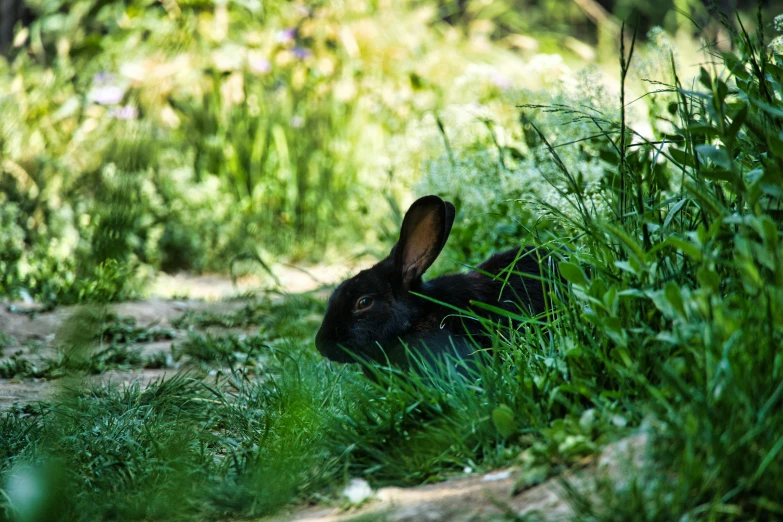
677	314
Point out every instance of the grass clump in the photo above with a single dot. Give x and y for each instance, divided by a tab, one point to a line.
123	330
225	349
6	341
248	315
18	366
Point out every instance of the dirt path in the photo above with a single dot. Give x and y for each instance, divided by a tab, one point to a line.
490	496
32	337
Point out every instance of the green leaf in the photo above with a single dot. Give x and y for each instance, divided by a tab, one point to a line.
503	419
708	278
597	288
775	143
706	200
769	232
685	247
735	65
705	79
718	174
716	155
573	273
702	129
768	459
627	267
723	91
673	212
681	157
736	124
774	111
674	297
610	156
662	303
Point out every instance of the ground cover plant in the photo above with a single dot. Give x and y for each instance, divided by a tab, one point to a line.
667	321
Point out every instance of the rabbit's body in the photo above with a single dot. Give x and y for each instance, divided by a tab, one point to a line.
375	314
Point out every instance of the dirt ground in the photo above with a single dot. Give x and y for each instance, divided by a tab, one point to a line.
33	335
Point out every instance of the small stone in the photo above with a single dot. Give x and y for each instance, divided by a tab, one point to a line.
498	475
357	490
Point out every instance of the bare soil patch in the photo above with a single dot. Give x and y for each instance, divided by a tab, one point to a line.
34	336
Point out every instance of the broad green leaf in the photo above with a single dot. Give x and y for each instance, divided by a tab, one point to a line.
703	129
681	157
718	174
736	124
706	200
716	155
735	65
705	78
503	419
708	278
673	212
685	247
573	273
627	267
775	142
674	296
770	232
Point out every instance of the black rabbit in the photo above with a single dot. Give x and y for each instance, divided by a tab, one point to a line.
375	314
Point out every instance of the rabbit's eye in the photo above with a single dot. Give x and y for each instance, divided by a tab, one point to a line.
363	303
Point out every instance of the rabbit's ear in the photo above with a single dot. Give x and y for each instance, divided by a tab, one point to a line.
425	229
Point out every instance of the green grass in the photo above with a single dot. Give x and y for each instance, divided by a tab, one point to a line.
668	320
248	315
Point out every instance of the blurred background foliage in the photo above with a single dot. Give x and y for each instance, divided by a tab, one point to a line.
177	135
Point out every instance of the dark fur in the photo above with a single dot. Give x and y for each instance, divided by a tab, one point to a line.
397	315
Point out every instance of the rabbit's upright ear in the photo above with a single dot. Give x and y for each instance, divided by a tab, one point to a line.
425	229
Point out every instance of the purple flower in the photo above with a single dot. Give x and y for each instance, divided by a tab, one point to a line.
286	35
107	95
301	52
103	77
260	65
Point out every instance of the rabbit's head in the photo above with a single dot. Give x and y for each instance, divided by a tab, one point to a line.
373	310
